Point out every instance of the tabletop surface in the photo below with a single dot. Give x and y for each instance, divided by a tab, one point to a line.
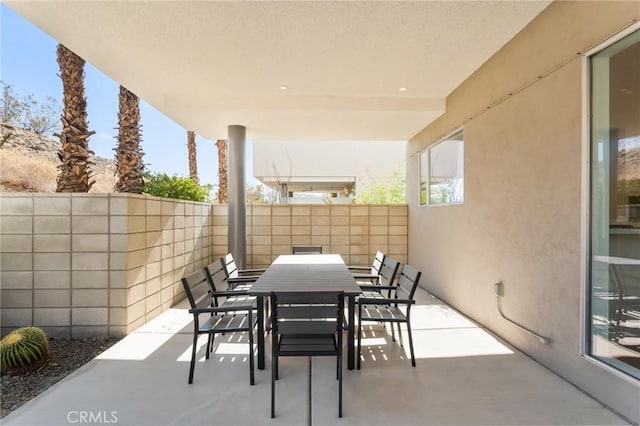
306	273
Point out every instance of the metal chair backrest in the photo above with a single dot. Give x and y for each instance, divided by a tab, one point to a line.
307	249
196	287
407	282
217	276
377	263
229	264
388	270
311	313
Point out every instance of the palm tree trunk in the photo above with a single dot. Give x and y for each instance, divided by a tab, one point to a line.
222	170
128	152
191	146
74	175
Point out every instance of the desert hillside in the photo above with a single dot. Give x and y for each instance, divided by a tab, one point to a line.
28	163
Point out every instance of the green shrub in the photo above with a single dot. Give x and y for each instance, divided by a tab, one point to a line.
23	349
177	187
628	191
388	190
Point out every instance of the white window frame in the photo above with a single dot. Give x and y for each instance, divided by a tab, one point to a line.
428	165
423	166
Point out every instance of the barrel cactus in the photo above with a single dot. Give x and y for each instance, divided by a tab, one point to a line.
23	349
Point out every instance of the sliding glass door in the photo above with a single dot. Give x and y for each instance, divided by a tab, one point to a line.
614	296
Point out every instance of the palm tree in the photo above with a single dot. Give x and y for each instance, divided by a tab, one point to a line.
128	152
191	146
74	175
222	170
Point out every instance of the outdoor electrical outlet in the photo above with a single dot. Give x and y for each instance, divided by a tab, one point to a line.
497	289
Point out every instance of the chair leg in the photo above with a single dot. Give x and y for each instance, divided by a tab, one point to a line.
274	376
399	334
268	316
267	325
339	356
275	362
251	367
209	346
340	384
413	358
393	334
359	334
275	365
193	357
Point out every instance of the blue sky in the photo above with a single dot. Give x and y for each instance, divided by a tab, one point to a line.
28	64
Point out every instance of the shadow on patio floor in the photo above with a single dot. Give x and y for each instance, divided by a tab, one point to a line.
464	376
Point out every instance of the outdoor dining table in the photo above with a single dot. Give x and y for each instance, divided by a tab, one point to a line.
307	273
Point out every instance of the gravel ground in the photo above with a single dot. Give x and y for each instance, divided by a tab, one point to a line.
65	356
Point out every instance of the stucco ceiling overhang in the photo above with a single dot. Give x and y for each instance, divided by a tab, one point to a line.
210	64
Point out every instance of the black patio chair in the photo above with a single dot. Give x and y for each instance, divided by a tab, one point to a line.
223	293
219	319
388	309
374	269
372	284
307	324
222	289
237	276
307	250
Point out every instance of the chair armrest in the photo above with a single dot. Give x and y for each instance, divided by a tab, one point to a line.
227	293
238	281
366	276
378	301
359	268
234	308
250	271
366	279
376	287
247	279
370	288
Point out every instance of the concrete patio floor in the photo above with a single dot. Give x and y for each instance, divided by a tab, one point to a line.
464	376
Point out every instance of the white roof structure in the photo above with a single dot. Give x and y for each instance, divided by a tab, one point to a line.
327	70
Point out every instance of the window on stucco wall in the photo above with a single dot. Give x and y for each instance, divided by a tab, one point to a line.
442	171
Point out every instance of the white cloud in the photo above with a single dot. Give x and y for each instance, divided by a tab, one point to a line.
104	136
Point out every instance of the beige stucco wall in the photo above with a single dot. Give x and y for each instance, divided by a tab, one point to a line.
521	218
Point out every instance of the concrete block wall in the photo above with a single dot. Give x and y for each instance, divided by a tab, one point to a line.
104	264
96	264
355	232
155	242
